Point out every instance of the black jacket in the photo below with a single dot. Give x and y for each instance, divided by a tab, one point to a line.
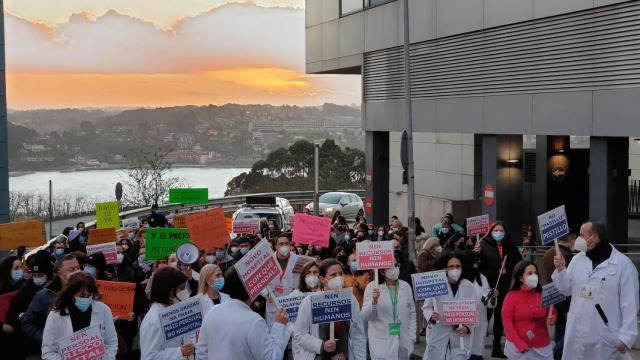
490	261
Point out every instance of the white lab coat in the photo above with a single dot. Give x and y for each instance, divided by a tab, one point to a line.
381	344
232	331
478	336
152	344
306	341
614	285
207	303
59	327
443	341
287	283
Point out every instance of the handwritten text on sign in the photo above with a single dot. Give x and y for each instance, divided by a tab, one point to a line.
208	229
181	319
551	295
246	226
107	249
258	268
477	225
162	242
118	296
312	230
82	345
330	306
108	215
430	284
375	255
456	312
553	225
291	304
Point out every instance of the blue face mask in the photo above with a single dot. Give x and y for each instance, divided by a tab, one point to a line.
90	270
218	284
82	303
498	235
219	255
58	252
244	250
354	267
371	233
39	281
17	275
445	230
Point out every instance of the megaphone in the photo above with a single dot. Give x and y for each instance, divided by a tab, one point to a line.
187	253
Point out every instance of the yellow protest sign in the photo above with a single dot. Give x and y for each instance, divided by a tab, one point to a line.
108	215
28	233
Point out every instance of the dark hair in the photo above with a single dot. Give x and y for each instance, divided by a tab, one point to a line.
165	282
60	262
5	268
302	285
518	271
363	227
443	260
77	282
398	257
472	274
233	285
326	264
488	234
78	224
67	230
337	251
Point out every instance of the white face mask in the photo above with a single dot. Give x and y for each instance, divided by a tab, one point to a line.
531	281
392	274
454	274
311	281
283	251
173	264
438	249
183	294
209	259
119	258
336	283
580	244
380	233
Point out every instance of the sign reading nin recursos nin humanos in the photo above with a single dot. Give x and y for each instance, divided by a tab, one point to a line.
430	284
330	306
553	225
375	255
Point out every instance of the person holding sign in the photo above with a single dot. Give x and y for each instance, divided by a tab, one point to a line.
314	341
286	281
525	321
75	309
444	341
487	299
390	313
209	286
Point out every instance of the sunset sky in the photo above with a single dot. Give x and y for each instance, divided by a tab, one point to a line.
124	53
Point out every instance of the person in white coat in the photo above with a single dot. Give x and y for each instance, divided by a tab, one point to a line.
487	299
169	287
287	281
602	276
232	331
75	309
209	286
312	340
443	341
390	312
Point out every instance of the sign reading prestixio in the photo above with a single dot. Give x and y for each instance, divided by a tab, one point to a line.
188	195
258	268
181	319
375	255
553	225
477	225
83	344
551	295
430	284
455	312
330	306
291	304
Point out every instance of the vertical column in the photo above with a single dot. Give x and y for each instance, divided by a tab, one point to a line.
377	176
539	199
4	149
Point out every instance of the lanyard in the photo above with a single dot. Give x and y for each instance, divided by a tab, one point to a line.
394	301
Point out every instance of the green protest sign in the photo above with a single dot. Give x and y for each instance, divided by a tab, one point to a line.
162	242
108	215
188	195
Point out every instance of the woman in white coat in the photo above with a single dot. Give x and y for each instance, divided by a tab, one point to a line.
209	286
443	341
77	309
390	312
169	287
312	340
487	299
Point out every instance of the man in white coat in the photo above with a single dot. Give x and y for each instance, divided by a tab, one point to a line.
287	281
598	275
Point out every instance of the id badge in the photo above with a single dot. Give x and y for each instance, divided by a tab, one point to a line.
586	291
394	329
339	357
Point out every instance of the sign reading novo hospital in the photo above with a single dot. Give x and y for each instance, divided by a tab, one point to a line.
258	268
330	306
375	255
84	344
455	312
430	284
182	319
553	225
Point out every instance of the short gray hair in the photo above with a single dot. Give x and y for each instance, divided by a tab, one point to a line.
60	262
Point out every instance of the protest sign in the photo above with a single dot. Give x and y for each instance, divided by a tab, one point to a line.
188	195
108	215
5	302
208	229
477	225
228	224
553	225
28	233
312	230
330	306
162	242
246	226
100	236
551	295
258	268
301	261
107	249
179	221
455	312
182	319
82	345
375	255
130	223
430	284
118	296
291	304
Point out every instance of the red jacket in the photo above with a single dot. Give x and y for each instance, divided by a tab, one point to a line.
521	312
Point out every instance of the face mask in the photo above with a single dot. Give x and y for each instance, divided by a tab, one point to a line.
125	247
58	252
244	250
173	264
40	281
347	238
454	274
336	283
17	275
371	233
144	264
498	235
311	281
209	259
234	249
391	232
271	227
69	275
82	303
580	244
183	294
90	270
218	284
531	281
119	258
354	267
444	230
392	274
283	251
219	255
438	249
380	233
300	250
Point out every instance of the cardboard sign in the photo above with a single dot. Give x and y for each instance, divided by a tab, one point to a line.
330	306
258	268
108	215
457	312
551	295
246	226
107	249
375	255
118	296
188	196
130	223
162	242
100	236
553	225
179	221
84	344
182	319
312	230
477	225
5	302
208	229
301	261
291	304
29	233
430	284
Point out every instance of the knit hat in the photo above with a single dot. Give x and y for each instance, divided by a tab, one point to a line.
98	261
41	263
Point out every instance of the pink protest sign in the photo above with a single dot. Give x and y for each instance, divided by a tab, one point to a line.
82	344
375	255
246	226
108	250
455	312
258	268
477	225
312	230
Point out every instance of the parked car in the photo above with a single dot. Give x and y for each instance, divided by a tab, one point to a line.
269	208
332	204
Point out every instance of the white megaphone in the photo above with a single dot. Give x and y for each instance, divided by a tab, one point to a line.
187	253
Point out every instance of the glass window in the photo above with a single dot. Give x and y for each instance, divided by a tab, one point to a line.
330	198
349	6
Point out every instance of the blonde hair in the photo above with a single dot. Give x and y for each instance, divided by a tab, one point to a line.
431	242
205	277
